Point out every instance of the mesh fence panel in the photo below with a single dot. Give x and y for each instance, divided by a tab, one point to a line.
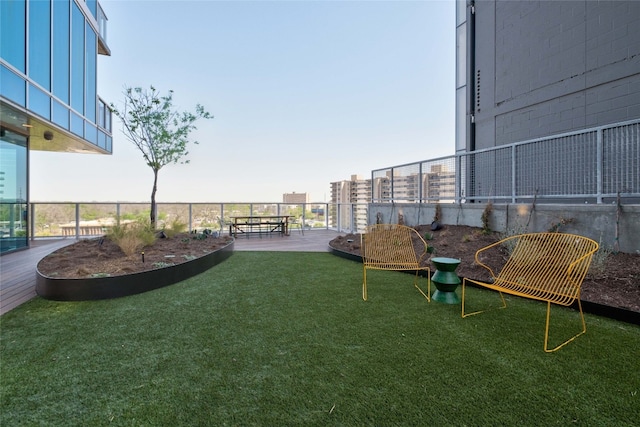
560	166
592	165
381	185
438	179
489	174
621	159
406	183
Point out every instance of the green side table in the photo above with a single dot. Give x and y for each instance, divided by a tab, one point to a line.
446	280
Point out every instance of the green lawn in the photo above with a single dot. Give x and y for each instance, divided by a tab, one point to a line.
274	339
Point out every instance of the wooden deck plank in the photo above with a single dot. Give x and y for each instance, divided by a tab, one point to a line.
18	272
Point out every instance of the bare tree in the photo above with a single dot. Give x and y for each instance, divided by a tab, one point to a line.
157	130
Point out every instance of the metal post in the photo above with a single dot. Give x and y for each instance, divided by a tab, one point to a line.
32	221
599	165
513	174
77	220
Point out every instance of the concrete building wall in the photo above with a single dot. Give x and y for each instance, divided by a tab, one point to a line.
548	67
597	222
295	198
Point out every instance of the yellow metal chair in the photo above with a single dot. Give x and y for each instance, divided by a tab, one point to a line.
547	267
390	247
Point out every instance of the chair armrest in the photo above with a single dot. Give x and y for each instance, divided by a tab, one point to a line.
574	264
479	251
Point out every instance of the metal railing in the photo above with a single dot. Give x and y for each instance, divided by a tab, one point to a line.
597	165
73	219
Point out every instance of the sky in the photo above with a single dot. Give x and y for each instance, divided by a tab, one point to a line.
303	93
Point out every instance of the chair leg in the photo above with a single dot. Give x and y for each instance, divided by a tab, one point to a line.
415	283
546	331
364	283
464	280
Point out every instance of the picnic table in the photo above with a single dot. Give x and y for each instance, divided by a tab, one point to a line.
247	225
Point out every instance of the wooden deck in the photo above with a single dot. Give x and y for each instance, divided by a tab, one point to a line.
18	269
18	272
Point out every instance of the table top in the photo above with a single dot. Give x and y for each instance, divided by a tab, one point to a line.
260	217
444	260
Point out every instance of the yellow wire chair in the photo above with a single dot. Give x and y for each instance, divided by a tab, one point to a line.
390	247
547	267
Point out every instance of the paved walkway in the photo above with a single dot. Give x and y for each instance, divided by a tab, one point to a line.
18	269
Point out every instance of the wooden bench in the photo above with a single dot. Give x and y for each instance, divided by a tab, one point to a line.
547	267
390	247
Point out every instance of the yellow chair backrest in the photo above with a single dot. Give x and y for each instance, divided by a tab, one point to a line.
390	246
553	265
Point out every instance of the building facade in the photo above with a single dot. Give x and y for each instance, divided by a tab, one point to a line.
353	195
48	95
531	69
295	198
548	100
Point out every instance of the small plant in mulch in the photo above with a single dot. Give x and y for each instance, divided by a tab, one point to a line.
131	238
161	264
175	227
96	275
437	216
486	216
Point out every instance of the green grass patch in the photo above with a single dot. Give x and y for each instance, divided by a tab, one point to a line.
270	338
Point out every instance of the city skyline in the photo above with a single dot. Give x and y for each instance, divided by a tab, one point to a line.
303	94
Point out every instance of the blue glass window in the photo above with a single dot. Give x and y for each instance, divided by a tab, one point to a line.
107	119
102	139
61	50
60	114
13	86
101	109
39	102
40	43
13	32
77	59
91	133
93	7
77	124
91	72
13	206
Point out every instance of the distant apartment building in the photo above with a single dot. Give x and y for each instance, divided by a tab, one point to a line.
427	183
295	198
439	183
353	196
48	95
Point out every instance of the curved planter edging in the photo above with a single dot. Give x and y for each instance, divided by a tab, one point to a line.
120	286
587	306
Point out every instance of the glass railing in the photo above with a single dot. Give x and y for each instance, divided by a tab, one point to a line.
58	219
102	24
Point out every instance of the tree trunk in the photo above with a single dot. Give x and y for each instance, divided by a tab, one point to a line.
152	214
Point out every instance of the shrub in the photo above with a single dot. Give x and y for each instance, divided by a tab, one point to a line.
132	237
486	215
437	216
175	227
599	260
